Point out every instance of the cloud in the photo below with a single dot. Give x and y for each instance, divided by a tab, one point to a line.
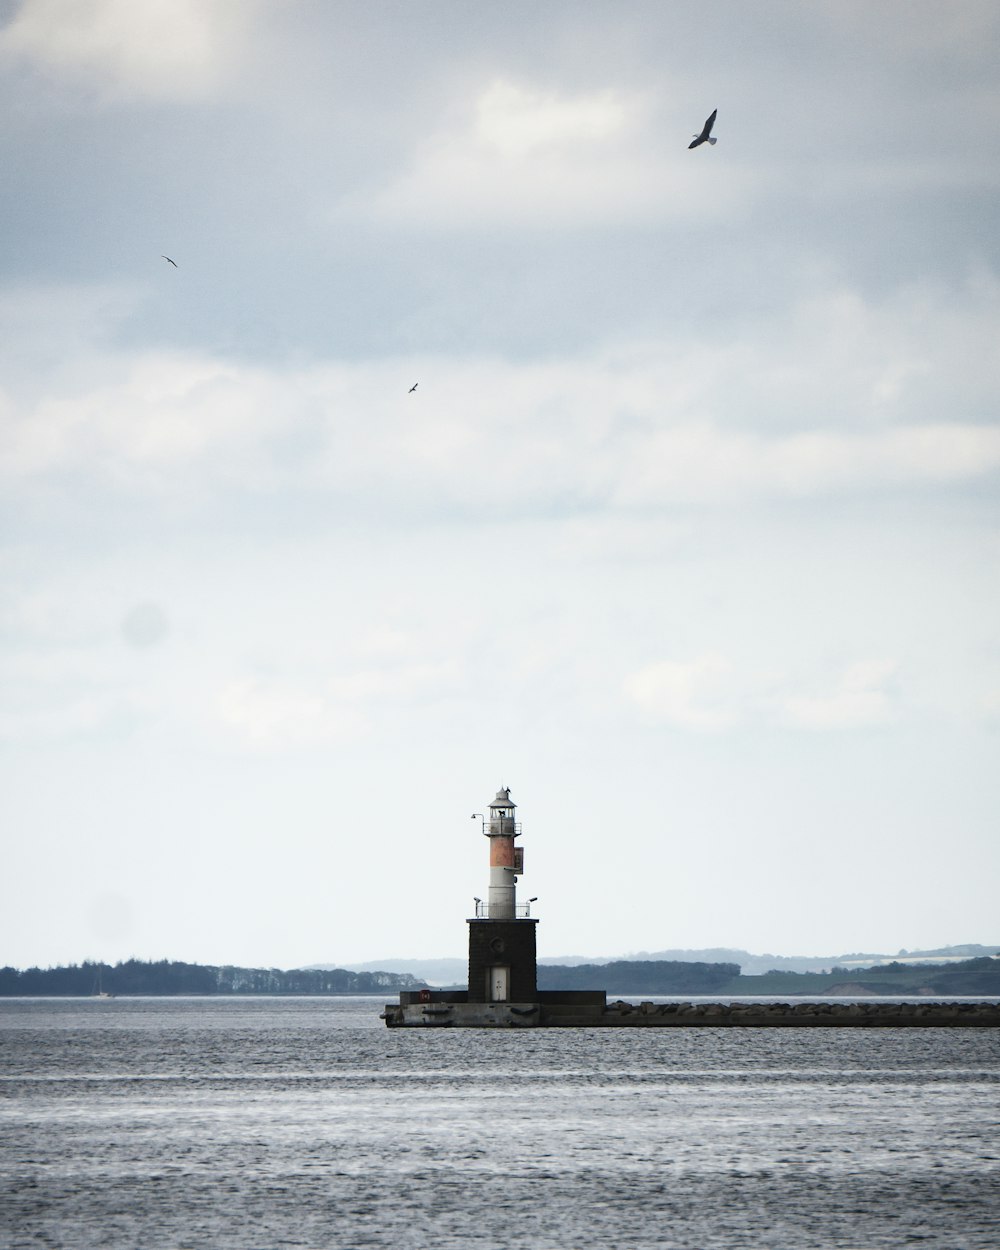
704	464
268	714
525	155
710	693
403	683
129	49
272	669
153	412
609	433
514	121
693	694
281	713
861	697
40	712
836	400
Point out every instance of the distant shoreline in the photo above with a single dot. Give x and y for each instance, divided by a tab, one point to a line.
977	977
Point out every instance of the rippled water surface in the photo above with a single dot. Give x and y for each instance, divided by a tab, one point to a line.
170	1123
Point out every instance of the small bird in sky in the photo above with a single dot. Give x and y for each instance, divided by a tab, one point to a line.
413	388
174	263
706	133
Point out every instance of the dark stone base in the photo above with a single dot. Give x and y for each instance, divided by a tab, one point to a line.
505	943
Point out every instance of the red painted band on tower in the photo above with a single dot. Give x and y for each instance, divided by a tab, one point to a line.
501	852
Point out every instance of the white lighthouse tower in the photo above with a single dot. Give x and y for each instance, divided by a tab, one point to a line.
506	859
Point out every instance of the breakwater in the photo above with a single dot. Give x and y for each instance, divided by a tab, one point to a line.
808	1014
589	1010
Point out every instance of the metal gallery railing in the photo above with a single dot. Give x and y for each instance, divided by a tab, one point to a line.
502	911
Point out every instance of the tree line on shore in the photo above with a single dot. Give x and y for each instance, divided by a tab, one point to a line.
635	976
165	977
965	977
980	976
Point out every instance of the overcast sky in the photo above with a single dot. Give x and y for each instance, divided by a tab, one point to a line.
689	533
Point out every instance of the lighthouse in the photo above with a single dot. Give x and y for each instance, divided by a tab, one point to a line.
502	959
503	988
506	859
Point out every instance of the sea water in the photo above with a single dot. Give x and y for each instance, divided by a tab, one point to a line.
204	1123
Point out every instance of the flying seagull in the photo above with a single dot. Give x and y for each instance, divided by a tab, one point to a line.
174	263
706	133
413	388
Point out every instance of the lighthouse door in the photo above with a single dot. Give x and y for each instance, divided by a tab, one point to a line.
499	985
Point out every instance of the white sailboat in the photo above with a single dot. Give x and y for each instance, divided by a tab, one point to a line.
99	990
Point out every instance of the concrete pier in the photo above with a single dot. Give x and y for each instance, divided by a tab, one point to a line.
587	1009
